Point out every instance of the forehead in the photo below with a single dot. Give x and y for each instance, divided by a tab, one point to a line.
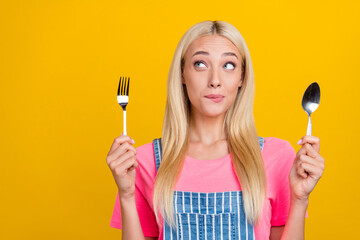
212	44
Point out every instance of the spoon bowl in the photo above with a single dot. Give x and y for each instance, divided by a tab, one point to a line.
310	102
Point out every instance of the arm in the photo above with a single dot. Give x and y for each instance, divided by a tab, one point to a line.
122	163
131	228
295	224
306	171
276	232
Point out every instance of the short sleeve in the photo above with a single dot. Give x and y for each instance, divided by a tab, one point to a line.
280	204
144	182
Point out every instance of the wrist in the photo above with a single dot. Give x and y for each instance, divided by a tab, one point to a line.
300	202
126	197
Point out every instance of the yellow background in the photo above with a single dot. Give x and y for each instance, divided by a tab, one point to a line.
60	62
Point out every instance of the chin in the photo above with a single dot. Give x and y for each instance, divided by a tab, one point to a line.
213	112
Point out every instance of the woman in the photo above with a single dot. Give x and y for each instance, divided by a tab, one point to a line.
214	181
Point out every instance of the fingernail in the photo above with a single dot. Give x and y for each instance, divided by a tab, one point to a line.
132	140
299	142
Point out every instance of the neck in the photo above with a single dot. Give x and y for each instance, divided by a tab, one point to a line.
206	130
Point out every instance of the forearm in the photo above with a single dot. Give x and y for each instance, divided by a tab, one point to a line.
131	228
295	224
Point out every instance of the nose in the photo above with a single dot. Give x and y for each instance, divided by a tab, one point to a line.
214	79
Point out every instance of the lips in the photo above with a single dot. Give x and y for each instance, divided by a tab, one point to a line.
215	97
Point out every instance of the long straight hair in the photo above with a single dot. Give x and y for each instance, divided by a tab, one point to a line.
239	126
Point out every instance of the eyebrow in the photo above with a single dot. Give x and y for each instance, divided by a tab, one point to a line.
206	53
200	53
230	54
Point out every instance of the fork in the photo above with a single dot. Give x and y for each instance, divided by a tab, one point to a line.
123	97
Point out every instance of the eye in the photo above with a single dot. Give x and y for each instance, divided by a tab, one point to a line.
199	64
229	65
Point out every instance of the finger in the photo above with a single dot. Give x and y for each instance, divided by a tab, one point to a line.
132	167
300	171
299	161
118	141
302	151
306	169
121	159
125	166
123	148
310	151
309	160
316	163
314	141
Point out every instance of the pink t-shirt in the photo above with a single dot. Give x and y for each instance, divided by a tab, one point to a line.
211	176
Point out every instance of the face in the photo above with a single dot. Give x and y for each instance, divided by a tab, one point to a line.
212	75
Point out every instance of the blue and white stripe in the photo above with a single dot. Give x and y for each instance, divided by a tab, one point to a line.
207	216
211	219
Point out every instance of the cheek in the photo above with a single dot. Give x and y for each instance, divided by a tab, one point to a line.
232	86
194	83
193	90
232	90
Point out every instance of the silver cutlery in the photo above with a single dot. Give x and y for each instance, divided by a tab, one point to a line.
310	102
123	97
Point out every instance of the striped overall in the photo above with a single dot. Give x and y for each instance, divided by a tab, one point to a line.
216	215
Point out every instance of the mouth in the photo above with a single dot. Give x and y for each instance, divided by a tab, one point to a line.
215	97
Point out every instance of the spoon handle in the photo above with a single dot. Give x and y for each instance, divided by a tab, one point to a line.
309	127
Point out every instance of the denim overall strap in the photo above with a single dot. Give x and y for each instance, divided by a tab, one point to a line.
205	216
261	142
157	152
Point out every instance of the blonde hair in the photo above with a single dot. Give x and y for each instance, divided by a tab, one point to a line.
239	126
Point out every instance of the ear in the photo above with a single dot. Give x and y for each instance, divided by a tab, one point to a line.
240	83
182	79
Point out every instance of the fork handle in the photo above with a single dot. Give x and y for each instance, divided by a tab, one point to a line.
124	122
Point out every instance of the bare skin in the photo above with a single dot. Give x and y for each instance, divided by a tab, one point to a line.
208	69
122	163
212	66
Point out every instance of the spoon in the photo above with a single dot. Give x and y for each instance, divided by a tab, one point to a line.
310	102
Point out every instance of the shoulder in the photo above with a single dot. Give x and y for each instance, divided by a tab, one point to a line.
145	150
277	152
273	145
145	155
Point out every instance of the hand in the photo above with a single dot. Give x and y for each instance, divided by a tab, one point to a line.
121	160
307	169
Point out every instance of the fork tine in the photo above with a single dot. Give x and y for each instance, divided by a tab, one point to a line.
118	93
122	80
123	86
127	89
